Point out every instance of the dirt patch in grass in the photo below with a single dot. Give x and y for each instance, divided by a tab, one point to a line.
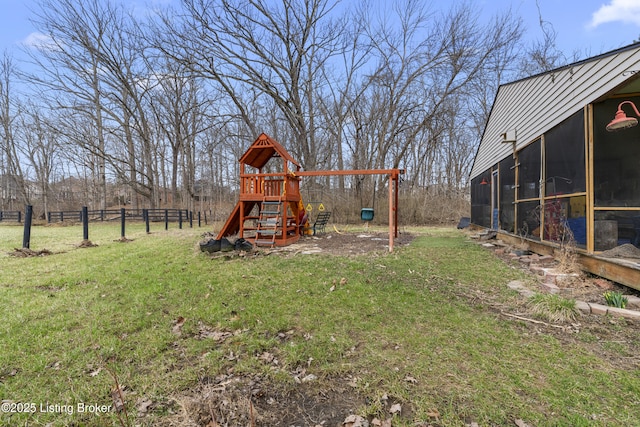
26	252
333	243
231	400
346	244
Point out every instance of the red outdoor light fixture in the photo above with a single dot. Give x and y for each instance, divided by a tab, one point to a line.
621	121
484	181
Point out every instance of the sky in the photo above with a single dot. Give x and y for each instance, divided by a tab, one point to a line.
587	27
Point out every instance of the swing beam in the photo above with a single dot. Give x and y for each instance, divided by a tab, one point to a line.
393	191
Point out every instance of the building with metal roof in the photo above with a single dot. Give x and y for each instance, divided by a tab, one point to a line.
559	158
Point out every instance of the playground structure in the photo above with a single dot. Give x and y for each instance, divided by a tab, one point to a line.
270	210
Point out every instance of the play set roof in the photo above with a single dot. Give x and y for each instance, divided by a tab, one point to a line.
262	150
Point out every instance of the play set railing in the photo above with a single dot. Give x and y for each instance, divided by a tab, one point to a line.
269	185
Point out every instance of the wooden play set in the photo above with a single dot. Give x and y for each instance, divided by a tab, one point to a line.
270	210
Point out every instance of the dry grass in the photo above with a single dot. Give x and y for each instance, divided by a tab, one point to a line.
553	308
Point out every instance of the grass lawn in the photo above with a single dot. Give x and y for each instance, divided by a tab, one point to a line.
415	336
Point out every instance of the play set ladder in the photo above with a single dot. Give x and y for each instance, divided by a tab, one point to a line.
268	223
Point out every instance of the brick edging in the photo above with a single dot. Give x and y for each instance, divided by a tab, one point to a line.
585	307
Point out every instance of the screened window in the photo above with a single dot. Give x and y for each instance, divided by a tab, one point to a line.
616	170
565	220
507	194
564	151
529	171
481	199
614	228
529	219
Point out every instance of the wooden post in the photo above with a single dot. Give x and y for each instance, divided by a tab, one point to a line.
145	214
391	216
85	223
26	237
396	186
122	220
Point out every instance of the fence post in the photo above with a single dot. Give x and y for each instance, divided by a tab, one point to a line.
190	219
101	214
26	237
85	223
145	215
61	216
199	220
166	219
180	219
122	223
0	216
19	217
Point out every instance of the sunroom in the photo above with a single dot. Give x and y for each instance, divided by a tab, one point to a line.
559	160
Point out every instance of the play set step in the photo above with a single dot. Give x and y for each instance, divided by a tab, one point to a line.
264	242
269	223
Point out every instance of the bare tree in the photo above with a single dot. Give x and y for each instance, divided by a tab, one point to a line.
93	64
423	63
276	48
171	107
69	70
10	111
543	55
180	104
39	147
337	99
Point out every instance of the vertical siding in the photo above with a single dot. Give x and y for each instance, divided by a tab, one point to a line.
534	105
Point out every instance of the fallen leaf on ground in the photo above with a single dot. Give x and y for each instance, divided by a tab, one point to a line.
117	395
355	421
177	325
143	406
434	413
309	378
395	409
266	357
207	332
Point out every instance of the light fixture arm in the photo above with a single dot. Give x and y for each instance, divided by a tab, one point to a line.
635	109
